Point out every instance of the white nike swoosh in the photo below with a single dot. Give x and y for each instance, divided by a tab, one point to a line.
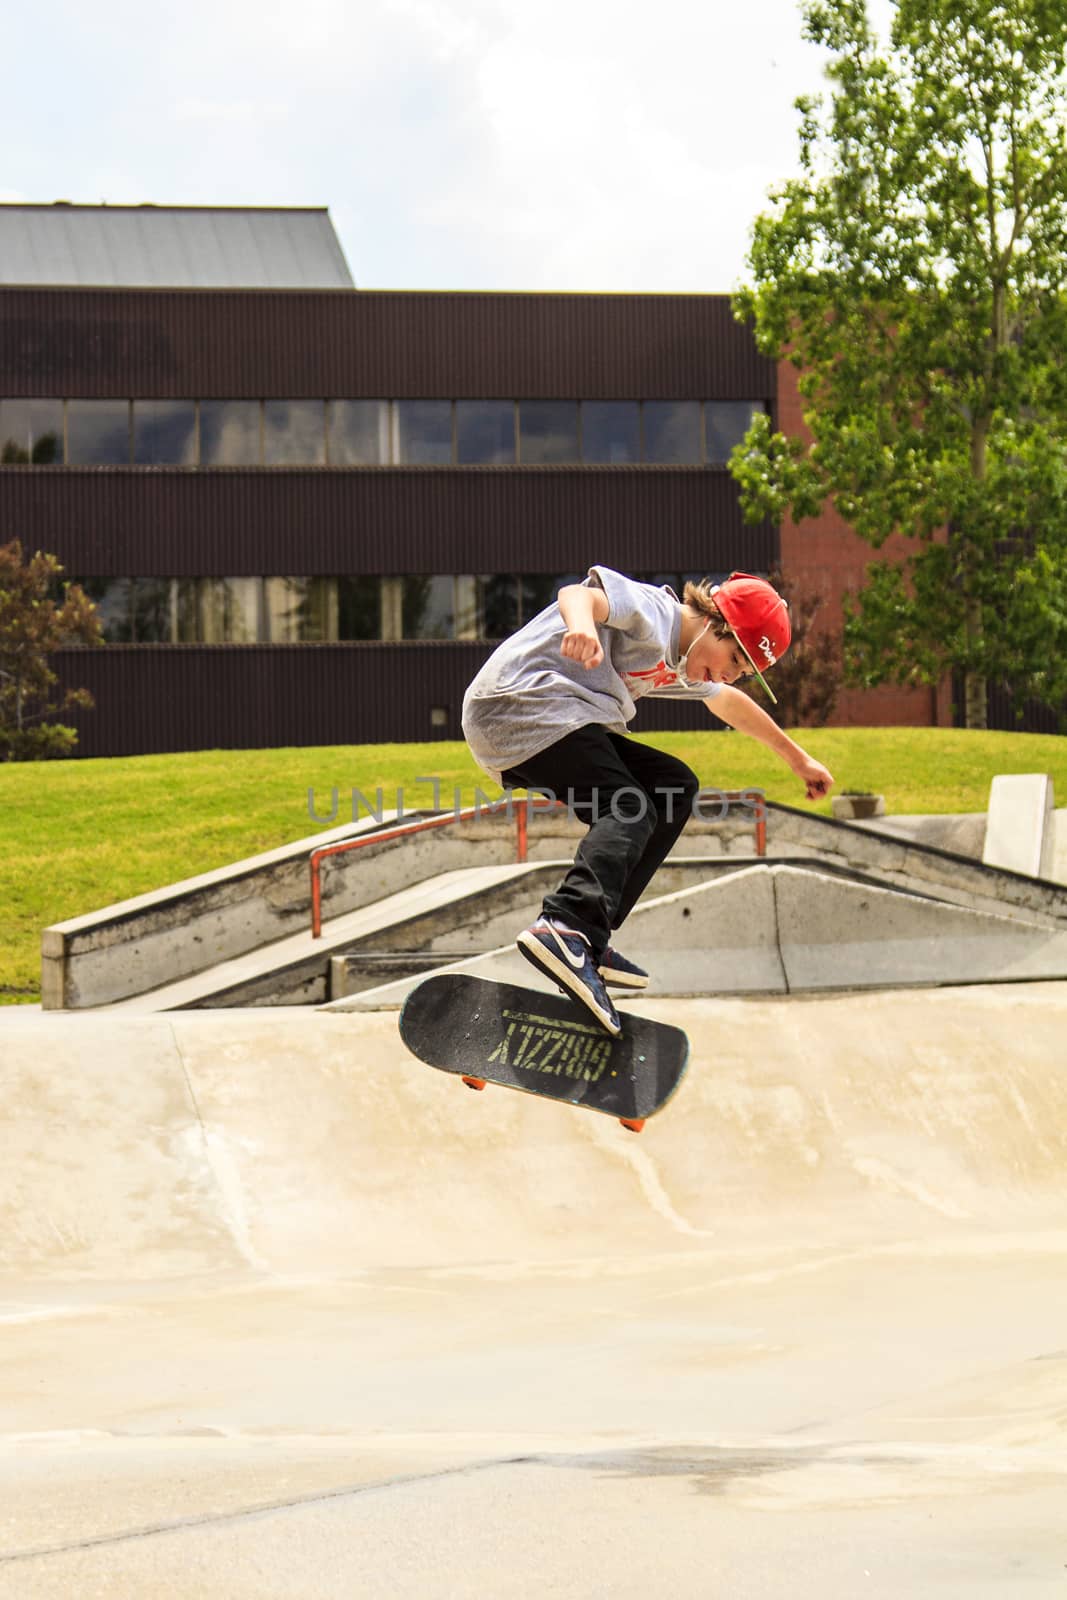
578	963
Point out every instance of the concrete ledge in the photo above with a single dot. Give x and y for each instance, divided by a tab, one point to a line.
176	933
962	834
138	944
172	933
923	868
295	971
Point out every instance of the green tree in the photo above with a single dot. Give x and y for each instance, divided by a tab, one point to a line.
32	625
914	273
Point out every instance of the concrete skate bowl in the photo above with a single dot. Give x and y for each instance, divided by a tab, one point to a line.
285	1312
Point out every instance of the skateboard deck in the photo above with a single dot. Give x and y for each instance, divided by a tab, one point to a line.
542	1044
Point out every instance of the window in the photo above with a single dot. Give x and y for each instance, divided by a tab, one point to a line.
548	431
725	424
164	433
500	604
423	432
538	590
357	432
672	431
111	597
296	610
611	431
429	608
432	606
509	600
294	433
485	432
392	597
359	608
249	433
186	606
300	610
229	433
133	610
152	610
218	610
98	432
31	432
467	608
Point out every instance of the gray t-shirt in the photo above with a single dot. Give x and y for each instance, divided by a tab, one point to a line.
528	695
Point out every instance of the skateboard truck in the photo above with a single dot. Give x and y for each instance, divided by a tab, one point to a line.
635	1124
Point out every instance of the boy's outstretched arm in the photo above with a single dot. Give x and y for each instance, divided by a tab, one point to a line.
735	708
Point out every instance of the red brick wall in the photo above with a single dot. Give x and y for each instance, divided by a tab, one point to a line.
822	553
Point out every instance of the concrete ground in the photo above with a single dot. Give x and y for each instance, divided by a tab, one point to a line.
284	1312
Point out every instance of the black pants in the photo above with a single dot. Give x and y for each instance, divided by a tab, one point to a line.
636	801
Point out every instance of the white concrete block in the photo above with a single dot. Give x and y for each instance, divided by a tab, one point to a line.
1018	831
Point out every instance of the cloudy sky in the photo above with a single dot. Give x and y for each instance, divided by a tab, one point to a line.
459	144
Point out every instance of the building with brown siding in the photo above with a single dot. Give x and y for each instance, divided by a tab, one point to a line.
306	510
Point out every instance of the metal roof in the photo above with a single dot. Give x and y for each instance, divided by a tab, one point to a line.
170	247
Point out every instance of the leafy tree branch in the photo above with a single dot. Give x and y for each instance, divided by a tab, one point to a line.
914	274
34	624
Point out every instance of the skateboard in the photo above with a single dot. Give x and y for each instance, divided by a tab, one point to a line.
487	1032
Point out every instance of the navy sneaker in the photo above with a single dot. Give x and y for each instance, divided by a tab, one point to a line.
623	973
567	959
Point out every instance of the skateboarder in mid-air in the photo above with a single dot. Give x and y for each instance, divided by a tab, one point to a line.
549	709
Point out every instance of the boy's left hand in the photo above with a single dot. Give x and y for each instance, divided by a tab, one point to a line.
817	779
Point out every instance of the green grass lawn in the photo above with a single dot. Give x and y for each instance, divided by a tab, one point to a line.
77	835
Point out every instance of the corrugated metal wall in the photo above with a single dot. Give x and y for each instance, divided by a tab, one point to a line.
154	698
158	522
144	522
231	345
202	697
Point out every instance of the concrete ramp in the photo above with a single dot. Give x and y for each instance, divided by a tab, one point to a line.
788	929
796	928
151	1148
285	1312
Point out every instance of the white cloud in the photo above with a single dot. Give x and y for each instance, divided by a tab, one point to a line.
611	147
249	113
458	143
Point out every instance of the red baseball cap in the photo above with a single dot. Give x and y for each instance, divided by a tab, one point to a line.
757	617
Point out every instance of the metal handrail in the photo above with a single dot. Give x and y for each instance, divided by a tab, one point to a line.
422	826
522	824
